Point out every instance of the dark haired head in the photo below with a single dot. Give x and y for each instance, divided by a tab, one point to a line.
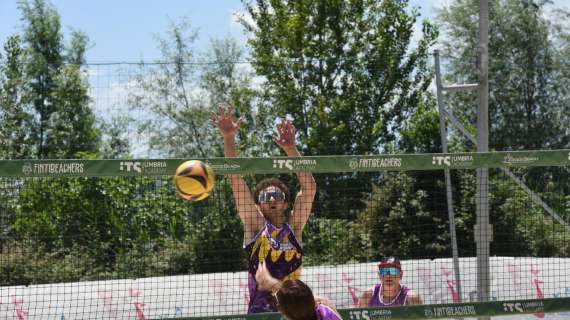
295	300
268	182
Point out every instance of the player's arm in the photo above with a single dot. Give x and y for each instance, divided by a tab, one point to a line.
365	298
285	139
265	281
413	298
326	301
248	211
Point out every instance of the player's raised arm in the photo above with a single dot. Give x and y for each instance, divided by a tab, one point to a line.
285	139
247	209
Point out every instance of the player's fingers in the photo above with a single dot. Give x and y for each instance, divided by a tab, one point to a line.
292	128
221	106
229	109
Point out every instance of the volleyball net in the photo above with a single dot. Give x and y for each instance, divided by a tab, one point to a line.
111	239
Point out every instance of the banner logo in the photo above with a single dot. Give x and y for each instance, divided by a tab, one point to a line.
129	166
376	314
299	164
280	164
359	315
448	161
224	167
510	159
451	311
524	307
52	168
27	169
441	160
512	307
374	163
148	167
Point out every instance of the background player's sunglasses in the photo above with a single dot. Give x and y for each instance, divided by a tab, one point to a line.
266	196
389	271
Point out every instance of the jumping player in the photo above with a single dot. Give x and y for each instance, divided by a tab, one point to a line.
269	237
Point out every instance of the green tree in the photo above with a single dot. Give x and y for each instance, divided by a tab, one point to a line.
182	92
65	125
346	71
15	120
529	100
168	92
420	133
115	144
226	79
403	219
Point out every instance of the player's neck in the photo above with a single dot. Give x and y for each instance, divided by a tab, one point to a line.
277	222
389	292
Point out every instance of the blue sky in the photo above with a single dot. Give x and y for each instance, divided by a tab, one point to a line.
122	30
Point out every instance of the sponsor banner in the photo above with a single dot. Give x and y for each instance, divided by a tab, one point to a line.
320	164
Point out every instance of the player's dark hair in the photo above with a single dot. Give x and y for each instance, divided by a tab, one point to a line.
296	301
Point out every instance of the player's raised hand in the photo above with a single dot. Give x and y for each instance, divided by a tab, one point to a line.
285	137
224	121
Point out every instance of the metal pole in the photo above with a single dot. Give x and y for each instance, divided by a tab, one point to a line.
449	195
483	231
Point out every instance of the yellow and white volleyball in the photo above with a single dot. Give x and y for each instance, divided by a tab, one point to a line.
194	180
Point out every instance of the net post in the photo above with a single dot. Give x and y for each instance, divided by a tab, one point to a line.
448	188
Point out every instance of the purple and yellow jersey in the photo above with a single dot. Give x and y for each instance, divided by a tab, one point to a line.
399	300
281	253
326	313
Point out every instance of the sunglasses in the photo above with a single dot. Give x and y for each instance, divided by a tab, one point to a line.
275	195
389	271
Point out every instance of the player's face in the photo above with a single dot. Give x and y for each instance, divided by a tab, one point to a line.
390	276
272	202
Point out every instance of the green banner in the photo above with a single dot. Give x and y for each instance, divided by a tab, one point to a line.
435	311
322	164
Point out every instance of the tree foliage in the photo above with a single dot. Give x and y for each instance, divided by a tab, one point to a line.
45	102
346	71
15	121
179	96
529	100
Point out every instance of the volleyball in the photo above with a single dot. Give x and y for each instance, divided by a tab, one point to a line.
194	180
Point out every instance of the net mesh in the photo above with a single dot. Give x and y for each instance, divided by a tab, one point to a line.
82	243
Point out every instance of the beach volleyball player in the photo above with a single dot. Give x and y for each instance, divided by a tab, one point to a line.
269	235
